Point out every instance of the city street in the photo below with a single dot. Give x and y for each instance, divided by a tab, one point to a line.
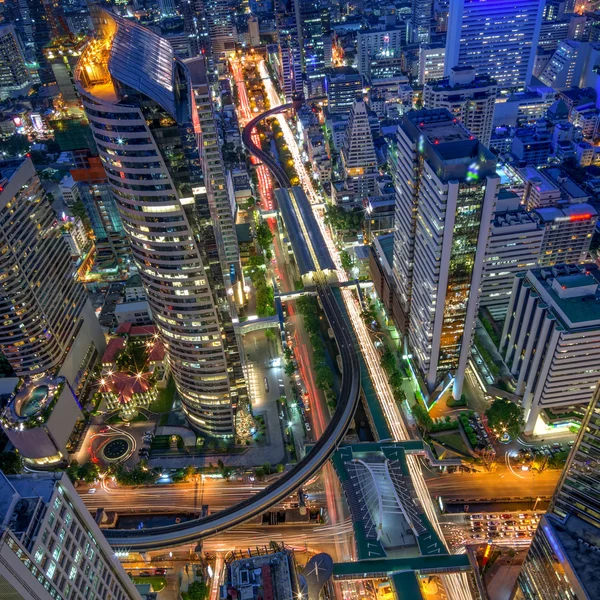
500	484
218	494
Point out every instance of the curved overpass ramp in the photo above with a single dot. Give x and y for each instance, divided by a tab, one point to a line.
257	151
196	529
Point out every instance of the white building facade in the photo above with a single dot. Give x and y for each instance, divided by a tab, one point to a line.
498	39
551	338
51	547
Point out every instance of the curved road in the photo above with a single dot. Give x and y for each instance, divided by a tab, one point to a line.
265	157
192	531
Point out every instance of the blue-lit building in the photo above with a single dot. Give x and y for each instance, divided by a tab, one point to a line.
496	38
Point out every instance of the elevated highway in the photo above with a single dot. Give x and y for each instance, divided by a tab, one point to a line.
265	157
196	529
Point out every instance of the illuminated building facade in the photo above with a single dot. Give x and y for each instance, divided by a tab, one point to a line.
359	161
568	233
93	189
562	561
139	100
342	85
41	302
49	332
446	188
495	38
514	245
51	546
551	338
374	44
13	73
422	13
470	99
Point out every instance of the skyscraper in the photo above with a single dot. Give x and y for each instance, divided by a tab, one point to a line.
514	245
36	22
92	187
446	188
471	99
48	329
359	161
342	85
312	23
422	12
13	73
221	203
50	545
139	100
564	556
219	17
40	301
496	38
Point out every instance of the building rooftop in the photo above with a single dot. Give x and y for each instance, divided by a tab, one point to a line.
266	577
538	179
453	152
572	293
113	349
572	212
19	495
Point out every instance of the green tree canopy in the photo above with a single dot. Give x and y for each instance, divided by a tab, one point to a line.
264	236
422	417
10	463
197	590
504	415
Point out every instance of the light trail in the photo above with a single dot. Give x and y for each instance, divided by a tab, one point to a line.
215	584
265	182
456	584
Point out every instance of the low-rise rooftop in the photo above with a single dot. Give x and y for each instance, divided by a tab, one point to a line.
571	292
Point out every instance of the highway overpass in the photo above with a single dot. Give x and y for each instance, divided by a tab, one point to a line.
196	529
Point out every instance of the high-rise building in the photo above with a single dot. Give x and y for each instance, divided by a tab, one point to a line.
49	332
571	65
51	546
495	38
422	13
41	301
445	198
222	203
93	189
13	73
374	44
563	559
514	245
469	98
254	31
219	17
36	23
312	23
342	85
568	233
551	338
359	161
431	62
139	100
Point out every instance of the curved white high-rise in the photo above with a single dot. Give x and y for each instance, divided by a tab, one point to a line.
139	101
